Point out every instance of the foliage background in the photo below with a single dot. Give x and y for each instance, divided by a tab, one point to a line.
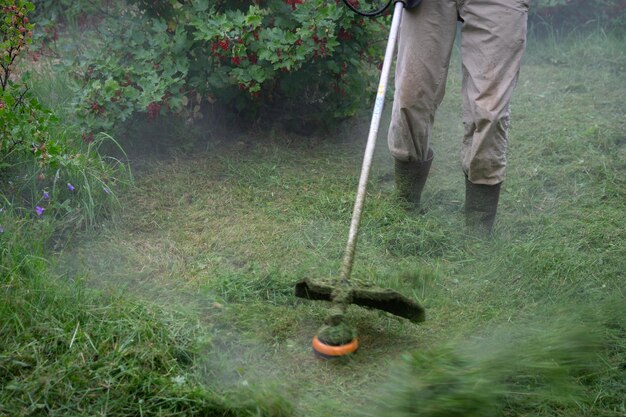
297	62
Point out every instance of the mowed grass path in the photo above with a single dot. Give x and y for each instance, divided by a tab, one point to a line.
223	235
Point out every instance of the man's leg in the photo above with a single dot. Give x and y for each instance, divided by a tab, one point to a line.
424	47
493	42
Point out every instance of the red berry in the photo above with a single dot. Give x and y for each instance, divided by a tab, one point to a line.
344	35
154	109
293	3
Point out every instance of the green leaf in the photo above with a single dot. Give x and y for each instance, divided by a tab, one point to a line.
159	25
200	5
110	85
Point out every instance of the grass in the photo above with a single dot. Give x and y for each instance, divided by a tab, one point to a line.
210	241
68	350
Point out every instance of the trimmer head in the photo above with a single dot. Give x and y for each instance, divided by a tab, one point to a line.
327	351
370	297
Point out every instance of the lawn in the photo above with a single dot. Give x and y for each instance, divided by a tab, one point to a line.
220	232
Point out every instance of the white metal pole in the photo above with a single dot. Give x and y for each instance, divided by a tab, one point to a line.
348	259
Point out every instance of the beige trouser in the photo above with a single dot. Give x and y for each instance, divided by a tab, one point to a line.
493	38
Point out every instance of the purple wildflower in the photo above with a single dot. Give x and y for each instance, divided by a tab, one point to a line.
106	190
70	187
39	210
46	196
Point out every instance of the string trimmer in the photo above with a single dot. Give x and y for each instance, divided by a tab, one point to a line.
336	338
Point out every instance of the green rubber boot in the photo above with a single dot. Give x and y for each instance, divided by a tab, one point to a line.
481	205
411	179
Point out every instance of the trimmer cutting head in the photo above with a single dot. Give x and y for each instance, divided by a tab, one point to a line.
335	339
370	297
326	351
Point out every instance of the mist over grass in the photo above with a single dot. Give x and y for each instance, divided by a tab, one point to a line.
193	276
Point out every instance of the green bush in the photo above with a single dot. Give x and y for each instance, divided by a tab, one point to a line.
281	60
23	121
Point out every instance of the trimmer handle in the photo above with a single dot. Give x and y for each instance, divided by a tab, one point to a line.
409	4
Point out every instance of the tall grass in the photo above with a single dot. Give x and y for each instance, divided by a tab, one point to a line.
67	350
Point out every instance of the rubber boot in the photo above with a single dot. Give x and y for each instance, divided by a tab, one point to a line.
481	204
411	179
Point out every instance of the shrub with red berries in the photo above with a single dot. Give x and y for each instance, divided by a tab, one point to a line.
25	123
297	57
16	34
23	120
